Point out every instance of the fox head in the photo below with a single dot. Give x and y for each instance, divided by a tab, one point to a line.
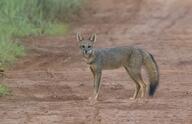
86	45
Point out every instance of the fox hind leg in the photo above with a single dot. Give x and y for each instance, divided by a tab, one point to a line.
134	70
140	85
137	85
142	90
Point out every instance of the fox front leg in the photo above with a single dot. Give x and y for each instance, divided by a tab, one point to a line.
93	72
97	84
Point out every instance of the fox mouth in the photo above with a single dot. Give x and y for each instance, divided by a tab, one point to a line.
87	53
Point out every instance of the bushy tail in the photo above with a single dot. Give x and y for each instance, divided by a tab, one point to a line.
153	73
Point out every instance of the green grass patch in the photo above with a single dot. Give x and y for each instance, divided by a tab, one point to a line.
4	90
9	51
56	29
21	18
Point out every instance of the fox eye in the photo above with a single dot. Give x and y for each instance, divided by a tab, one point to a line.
82	46
89	46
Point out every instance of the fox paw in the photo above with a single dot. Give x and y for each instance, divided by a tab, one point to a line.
132	98
92	100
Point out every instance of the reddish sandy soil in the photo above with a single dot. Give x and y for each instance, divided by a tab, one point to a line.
51	84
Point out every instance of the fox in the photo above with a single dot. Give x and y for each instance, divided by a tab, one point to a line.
128	57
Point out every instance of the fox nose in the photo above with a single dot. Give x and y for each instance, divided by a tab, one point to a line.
85	51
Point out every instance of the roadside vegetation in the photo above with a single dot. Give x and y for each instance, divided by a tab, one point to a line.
21	18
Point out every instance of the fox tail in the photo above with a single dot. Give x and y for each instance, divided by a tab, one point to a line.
153	73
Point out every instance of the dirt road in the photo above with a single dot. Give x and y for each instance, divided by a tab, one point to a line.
51	84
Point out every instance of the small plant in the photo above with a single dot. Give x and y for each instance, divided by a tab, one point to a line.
4	90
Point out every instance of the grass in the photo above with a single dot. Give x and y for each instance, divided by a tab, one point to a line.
9	51
21	18
4	90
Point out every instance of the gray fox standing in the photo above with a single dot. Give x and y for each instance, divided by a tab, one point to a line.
130	58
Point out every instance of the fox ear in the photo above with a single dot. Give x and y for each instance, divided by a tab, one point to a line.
92	38
79	37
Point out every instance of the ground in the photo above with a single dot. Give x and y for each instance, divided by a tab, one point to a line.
51	84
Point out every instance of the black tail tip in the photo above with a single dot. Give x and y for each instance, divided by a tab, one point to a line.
152	88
